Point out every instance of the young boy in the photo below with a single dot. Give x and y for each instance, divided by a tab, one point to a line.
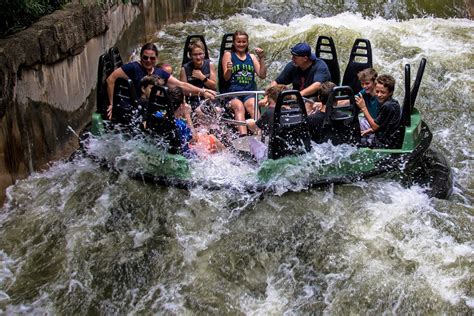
265	122
316	120
366	97
385	125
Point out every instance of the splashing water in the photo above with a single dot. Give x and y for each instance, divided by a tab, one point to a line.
79	239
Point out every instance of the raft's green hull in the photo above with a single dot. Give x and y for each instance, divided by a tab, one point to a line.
174	170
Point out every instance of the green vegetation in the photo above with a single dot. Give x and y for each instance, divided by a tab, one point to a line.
16	15
19	14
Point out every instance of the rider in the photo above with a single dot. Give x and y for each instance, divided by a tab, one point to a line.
199	72
240	68
305	71
136	70
385	125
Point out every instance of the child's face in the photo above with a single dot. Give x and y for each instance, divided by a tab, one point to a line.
382	93
368	85
241	43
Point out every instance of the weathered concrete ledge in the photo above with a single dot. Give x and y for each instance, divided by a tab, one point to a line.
48	74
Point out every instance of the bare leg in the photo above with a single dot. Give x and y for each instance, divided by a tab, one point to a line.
239	114
249	106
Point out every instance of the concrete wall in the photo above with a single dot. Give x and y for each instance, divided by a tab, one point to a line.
48	75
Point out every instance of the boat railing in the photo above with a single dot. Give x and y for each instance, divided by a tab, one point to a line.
258	95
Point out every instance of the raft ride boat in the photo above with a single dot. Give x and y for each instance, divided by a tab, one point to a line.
412	160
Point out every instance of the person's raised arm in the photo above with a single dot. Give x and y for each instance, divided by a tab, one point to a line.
117	73
259	63
227	66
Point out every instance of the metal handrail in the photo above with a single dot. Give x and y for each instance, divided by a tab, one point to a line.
241	93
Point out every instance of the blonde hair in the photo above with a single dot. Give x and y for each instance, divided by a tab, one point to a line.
196	44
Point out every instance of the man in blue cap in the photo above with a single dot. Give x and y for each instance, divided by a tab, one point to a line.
305	71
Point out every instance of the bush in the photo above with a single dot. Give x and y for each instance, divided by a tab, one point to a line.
16	15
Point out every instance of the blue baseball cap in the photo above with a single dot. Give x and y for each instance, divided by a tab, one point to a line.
303	49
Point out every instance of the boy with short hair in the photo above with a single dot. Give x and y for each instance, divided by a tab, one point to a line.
385	125
367	95
265	122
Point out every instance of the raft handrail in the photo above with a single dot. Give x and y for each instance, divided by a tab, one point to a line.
256	94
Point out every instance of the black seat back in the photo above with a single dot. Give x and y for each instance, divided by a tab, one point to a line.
341	123
360	59
193	38
410	95
290	134
125	103
108	62
326	50
115	57
409	100
226	44
160	119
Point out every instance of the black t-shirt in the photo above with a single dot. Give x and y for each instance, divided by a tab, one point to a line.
389	122
315	123
265	122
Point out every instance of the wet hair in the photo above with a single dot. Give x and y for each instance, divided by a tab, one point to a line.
368	74
149	46
325	91
196	44
147	81
239	33
274	91
176	96
387	81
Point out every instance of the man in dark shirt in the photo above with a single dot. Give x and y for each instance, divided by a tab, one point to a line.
385	126
305	71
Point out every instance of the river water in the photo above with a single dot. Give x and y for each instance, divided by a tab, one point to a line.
79	239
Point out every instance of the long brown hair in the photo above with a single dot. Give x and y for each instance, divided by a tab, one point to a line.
237	33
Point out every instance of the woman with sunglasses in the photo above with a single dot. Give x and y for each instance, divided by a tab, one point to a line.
199	72
136	70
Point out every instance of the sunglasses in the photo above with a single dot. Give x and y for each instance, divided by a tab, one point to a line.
151	58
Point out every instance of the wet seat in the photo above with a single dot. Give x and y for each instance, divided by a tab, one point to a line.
290	133
125	103
160	120
326	51
360	59
226	44
108	62
341	123
409	101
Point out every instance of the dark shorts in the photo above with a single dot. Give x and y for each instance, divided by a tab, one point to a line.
244	98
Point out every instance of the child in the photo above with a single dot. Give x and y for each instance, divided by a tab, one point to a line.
316	119
240	68
182	114
265	123
366	97
385	125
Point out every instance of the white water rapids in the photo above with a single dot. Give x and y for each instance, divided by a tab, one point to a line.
78	239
